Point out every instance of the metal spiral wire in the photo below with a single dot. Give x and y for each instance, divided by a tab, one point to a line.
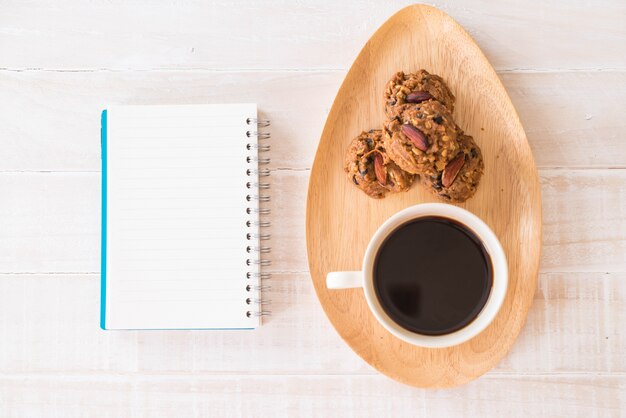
257	279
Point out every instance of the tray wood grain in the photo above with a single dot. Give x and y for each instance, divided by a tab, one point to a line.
341	219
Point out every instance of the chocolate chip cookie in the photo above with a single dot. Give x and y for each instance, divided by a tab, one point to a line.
416	88
459	179
422	138
369	167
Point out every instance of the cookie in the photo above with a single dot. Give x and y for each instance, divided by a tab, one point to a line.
416	88
459	180
369	167
422	138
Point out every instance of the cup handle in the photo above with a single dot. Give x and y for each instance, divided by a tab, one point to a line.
344	279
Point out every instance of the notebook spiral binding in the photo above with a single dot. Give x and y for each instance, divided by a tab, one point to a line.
257	286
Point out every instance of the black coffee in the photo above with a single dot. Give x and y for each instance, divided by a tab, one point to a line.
432	276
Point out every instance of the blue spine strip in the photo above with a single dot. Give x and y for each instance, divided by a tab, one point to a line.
103	250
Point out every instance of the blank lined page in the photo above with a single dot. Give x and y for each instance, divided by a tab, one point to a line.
176	216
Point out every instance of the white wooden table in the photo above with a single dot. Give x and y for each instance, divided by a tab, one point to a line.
563	63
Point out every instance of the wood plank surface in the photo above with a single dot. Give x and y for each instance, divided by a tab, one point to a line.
307	396
49	325
51	120
272	34
50	222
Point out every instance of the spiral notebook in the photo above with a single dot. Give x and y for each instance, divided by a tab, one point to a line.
183	217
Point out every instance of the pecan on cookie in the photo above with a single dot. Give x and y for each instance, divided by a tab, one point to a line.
370	169
459	180
422	138
416	87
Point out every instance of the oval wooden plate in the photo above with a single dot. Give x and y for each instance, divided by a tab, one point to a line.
341	219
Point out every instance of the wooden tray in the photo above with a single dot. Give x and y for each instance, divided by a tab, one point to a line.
341	219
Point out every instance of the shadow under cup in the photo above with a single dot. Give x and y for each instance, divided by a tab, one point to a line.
432	275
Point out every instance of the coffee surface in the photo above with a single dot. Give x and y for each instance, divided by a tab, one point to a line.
432	276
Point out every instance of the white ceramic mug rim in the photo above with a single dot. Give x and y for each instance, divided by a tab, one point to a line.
492	246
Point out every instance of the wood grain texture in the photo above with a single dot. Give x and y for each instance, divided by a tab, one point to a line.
49	325
272	34
604	218
572	119
305	396
341	219
50	222
562	113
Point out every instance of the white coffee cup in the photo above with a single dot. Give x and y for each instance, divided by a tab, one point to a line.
365	277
